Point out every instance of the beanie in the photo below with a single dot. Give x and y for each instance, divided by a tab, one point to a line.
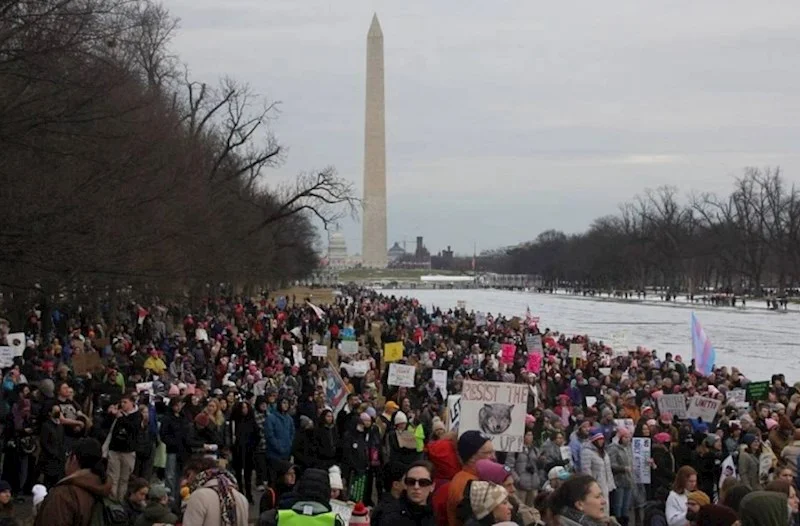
491	471
335	478
749	438
470	443
360	515
400	418
437	424
315	486
716	515
596	434
485	497
662	438
699	497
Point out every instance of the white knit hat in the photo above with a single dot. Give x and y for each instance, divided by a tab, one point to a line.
400	418
39	493
485	497
335	478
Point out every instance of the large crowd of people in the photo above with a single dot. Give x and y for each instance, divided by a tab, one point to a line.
228	414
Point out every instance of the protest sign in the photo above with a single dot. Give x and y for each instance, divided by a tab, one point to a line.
576	350
375	330
201	335
440	379
480	319
626	423
296	332
738	397
757	391
497	409
641	460
401	375
461	305
16	340
348	333
6	356
145	387
392	351
605	371
319	351
534	343
335	391
86	362
534	362
453	412
348	347
728	469
356	369
591	401
299	359
342	509
674	404
703	407
508	350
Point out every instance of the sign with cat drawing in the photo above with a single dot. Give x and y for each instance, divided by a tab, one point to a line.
497	409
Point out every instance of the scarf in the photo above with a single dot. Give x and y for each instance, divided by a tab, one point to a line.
578	517
226	485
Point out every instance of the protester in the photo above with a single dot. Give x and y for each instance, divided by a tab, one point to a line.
156	511
472	447
214	499
136	499
70	501
579	502
412	507
596	463
620	454
121	444
313	502
677	502
526	466
488	504
764	508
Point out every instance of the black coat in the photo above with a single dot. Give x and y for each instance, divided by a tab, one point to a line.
326	444
52	457
125	433
174	433
403	512
303	449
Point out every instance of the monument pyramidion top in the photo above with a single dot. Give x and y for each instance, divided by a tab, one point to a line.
375	28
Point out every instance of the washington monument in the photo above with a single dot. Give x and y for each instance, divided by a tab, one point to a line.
374	217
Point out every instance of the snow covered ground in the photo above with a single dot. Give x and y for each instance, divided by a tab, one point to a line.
759	342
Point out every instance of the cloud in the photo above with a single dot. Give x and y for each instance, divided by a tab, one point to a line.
514	117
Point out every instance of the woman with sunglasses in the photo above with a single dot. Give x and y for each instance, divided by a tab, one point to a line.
413	508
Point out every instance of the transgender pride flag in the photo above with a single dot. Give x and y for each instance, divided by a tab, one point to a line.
702	351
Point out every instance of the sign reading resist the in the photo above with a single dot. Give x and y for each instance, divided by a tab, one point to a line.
497	409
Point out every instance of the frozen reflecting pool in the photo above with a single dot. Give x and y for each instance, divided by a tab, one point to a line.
757	341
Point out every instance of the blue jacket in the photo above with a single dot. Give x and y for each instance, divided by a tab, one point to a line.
279	432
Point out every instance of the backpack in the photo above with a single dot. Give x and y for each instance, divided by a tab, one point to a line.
108	512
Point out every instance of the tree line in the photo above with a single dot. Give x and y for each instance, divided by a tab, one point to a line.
747	241
118	171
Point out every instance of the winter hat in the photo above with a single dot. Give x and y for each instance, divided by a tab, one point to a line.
201	420
771	423
749	438
623	432
491	471
596	434
666	418
699	497
710	440
39	493
400	418
359	515
335	478
485	497
315	486
390	407
558	472
469	443
371	412
530	420
764	508
5	486
173	391
305	422
662	438
365	417
157	492
716	515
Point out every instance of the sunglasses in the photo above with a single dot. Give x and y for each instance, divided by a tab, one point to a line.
423	483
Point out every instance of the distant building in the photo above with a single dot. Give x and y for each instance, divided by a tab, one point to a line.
337	251
395	253
420	259
444	260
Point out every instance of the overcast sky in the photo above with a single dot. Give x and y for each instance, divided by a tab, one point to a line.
504	119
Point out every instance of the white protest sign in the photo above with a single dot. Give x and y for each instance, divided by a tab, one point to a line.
566	455
296	332
674	404
145	387
453	412
440	379
605	371
591	401
16	340
320	351
497	409
401	375
480	319
342	509
738	397
641	460
349	347
6	356
461	304
703	407
575	350
361	367
534	343
201	335
298	355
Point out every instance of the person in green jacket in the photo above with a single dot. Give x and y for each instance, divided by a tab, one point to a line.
157	509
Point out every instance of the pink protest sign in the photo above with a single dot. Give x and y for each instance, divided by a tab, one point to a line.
535	362
509	349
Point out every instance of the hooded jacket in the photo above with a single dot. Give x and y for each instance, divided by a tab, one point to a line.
403	512
155	513
764	508
326	442
279	433
70	501
203	507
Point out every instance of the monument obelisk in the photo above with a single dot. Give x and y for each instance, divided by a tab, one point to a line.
374	216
